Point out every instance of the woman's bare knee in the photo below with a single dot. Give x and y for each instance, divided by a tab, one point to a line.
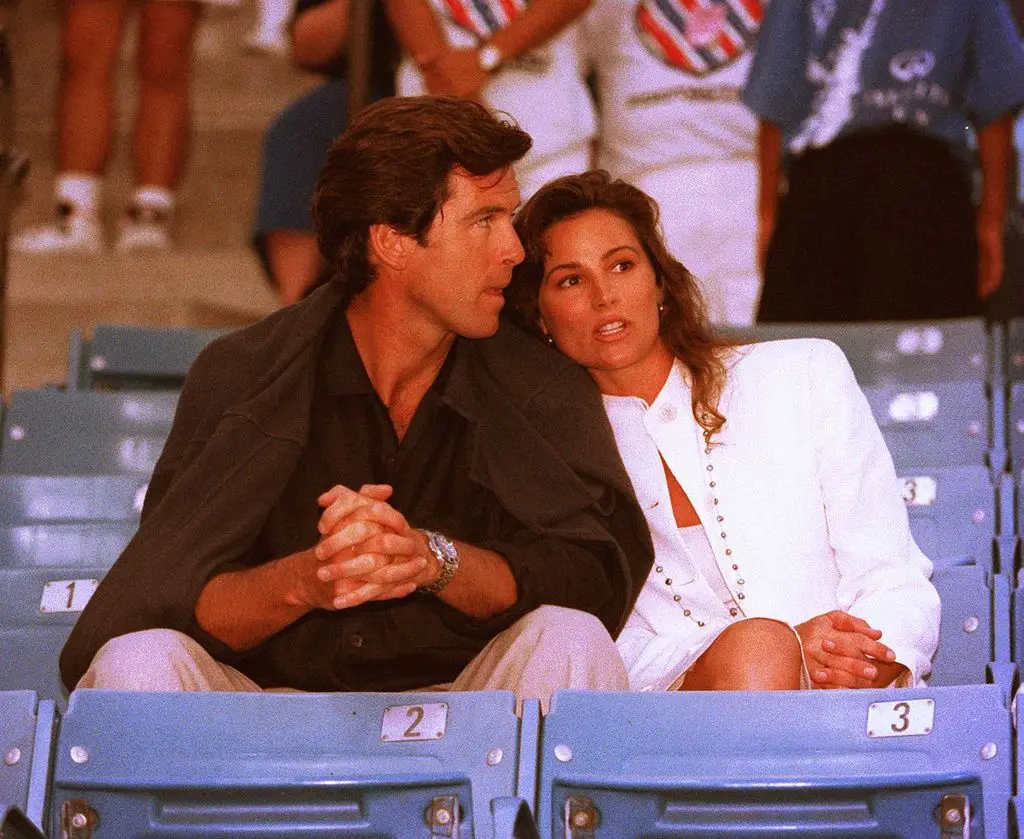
755	654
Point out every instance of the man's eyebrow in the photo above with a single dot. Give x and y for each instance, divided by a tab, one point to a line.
489	211
604	256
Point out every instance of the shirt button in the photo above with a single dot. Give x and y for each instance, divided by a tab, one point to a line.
356	640
667	413
734	611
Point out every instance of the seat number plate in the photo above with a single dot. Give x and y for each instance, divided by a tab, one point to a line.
66	595
921	406
901	719
414	722
920	491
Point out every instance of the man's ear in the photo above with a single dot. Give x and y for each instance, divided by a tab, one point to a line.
388	247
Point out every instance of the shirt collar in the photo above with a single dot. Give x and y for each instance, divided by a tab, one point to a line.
345	374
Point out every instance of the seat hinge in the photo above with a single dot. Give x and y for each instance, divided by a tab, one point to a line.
582	818
954	816
77	819
443	817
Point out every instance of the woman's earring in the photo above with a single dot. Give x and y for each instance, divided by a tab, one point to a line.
549	339
661	308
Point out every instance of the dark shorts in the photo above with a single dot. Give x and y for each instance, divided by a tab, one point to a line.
294	149
877	226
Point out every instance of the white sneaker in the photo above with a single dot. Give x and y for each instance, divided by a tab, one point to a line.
272	43
143	228
72	232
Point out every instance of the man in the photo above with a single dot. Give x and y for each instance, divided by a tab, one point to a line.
379	488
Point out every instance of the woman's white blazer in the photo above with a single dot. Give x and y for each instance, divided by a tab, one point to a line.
809	516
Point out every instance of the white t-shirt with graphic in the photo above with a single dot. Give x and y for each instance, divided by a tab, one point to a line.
669	76
545	90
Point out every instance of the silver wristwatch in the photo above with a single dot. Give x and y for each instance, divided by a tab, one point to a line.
447	555
489	58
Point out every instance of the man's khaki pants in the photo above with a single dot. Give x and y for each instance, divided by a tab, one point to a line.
546	650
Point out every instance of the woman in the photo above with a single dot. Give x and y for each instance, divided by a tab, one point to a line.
783	554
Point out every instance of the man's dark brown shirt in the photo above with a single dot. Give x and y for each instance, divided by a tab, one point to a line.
509	450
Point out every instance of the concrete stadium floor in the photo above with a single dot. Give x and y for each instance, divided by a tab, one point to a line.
211	279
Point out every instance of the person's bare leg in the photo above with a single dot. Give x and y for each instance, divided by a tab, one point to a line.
90	41
294	263
755	654
166	32
90	38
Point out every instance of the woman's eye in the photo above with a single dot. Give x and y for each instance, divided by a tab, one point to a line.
567	281
623	265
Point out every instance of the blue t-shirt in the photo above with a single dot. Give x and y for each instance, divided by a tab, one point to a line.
829	68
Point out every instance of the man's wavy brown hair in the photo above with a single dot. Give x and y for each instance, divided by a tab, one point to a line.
392	166
684	324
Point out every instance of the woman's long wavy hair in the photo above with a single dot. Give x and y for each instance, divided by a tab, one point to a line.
684	323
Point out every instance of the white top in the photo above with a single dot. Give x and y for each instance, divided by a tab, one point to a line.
669	77
698	548
545	91
810	509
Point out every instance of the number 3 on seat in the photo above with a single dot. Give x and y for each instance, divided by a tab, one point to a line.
907	718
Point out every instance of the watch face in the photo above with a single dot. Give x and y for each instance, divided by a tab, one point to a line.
489	58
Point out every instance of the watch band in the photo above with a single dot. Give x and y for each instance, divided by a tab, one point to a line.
447	555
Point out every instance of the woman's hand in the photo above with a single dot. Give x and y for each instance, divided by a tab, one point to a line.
844	651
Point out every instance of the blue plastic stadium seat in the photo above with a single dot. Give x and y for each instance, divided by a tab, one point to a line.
26	737
975	626
952	512
92	544
51	432
797	764
1015	350
938	424
290	765
138	358
1015	423
38	608
27	499
893	353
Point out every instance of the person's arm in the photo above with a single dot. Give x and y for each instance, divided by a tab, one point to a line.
541	21
883	576
995	144
483	585
495	582
320	34
457	71
769	159
417	30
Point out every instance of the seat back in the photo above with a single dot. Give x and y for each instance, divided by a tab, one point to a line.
884	354
26	499
51	432
865	763
295	765
937	424
38	608
140	358
26	732
952	513
974	627
76	544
